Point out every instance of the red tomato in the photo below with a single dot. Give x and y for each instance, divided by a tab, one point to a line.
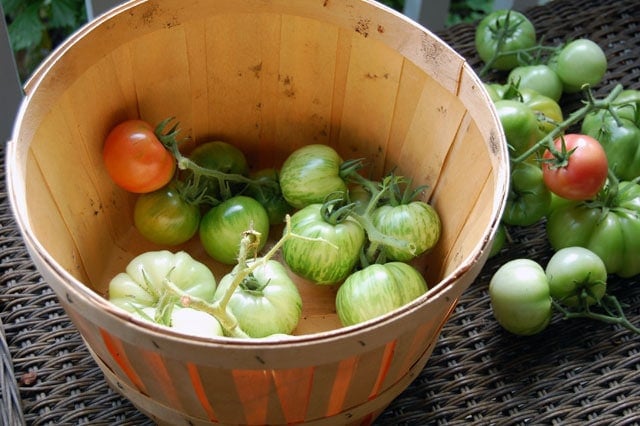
582	174
135	159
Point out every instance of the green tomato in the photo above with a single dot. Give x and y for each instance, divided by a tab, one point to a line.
164	217
529	198
377	290
519	123
540	78
221	156
143	282
325	261
608	226
517	31
520	297
222	227
620	137
416	223
576	275
548	110
267	192
266	303
311	173
580	62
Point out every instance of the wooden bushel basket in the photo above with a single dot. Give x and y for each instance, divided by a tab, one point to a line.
268	76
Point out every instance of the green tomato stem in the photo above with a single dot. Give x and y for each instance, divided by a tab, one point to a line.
168	139
614	313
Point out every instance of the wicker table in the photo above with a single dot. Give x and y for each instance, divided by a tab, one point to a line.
576	372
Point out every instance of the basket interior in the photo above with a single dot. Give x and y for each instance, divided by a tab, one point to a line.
269	79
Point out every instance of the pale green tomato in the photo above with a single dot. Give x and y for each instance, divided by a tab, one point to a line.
143	282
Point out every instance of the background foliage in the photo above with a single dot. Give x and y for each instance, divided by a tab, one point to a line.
38	26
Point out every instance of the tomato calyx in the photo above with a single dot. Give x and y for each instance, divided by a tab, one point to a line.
560	158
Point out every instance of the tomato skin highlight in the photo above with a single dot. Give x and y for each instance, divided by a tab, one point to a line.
135	159
520	297
377	290
585	173
221	228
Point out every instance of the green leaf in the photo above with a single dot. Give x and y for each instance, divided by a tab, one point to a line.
25	31
13	7
64	13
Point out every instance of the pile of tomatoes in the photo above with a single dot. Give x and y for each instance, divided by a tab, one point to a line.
577	171
340	229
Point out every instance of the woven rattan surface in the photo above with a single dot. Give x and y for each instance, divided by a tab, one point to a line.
575	372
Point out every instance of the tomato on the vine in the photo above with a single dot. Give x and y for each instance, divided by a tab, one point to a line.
165	217
222	227
608	226
135	159
576	275
580	172
504	32
266	302
221	156
335	251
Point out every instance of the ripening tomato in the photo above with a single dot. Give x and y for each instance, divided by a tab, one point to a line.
582	174
135	158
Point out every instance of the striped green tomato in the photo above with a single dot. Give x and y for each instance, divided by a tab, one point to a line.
377	290
417	223
325	261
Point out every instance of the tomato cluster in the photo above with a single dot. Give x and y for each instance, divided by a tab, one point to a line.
339	229
576	171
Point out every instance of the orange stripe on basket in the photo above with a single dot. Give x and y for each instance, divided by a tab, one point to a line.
115	348
346	369
294	390
253	389
417	347
385	364
167	387
198	388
